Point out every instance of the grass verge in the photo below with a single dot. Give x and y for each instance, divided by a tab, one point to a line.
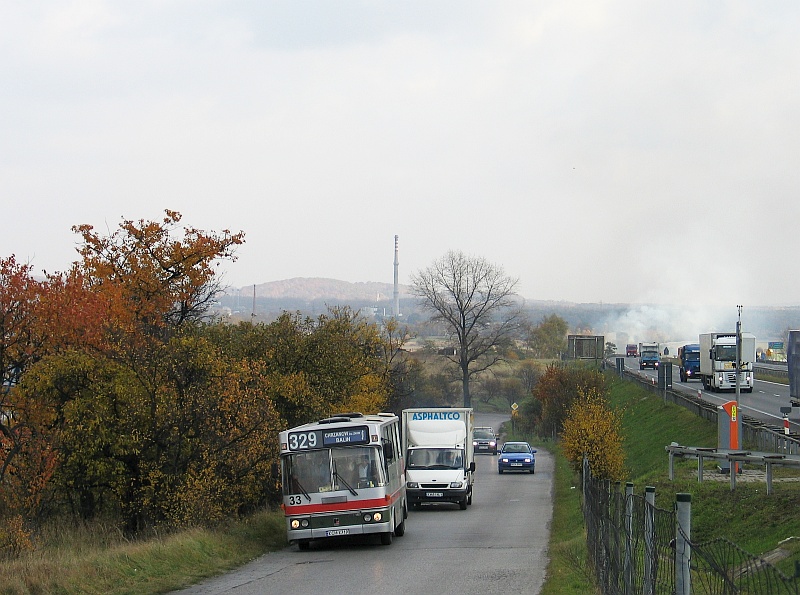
771	378
85	561
568	572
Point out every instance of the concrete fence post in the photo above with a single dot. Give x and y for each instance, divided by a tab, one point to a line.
628	563
619	552
683	532
649	580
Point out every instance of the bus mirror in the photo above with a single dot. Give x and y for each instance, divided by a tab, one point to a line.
274	470
388	451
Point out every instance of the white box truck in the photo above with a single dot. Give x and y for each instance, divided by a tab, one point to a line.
718	361
440	457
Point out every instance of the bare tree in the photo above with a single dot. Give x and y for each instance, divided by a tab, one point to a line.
475	301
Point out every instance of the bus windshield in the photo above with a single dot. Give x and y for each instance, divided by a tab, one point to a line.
327	470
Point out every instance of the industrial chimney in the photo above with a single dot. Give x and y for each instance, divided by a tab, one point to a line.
396	294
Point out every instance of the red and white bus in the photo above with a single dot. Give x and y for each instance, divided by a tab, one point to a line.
344	475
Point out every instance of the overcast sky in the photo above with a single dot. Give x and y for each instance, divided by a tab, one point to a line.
639	152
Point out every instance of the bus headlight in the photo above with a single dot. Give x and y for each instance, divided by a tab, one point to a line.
377	517
299	523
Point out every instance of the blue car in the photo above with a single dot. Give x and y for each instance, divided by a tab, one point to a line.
516	456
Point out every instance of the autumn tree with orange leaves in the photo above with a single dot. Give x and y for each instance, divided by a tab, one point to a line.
324	365
546	409
593	430
114	385
25	458
128	401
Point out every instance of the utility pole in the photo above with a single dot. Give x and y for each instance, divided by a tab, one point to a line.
396	293
735	467
738	355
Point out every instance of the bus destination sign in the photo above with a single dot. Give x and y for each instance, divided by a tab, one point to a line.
328	437
358	435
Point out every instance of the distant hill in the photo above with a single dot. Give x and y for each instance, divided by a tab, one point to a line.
316	288
620	322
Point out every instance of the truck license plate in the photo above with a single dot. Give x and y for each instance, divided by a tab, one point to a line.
433	494
334	532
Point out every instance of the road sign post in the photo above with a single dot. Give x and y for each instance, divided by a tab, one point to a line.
728	431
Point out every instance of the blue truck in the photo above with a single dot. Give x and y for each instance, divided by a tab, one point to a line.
649	355
689	356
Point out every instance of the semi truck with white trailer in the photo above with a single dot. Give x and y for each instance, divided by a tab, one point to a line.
440	456
718	361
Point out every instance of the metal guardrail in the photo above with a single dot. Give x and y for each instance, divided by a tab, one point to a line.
779	372
766	459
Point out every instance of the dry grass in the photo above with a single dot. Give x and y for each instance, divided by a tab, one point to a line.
97	559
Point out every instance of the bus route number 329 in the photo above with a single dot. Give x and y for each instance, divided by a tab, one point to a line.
302	440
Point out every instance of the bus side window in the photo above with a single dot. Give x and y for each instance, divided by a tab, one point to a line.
388	444
388	451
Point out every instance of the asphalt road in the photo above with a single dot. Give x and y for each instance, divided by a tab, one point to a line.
497	546
764	403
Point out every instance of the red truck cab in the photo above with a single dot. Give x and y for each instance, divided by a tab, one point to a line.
631	350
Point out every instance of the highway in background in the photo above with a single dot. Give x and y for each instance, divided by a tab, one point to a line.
764	403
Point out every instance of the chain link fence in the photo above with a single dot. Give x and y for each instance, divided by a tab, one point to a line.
637	548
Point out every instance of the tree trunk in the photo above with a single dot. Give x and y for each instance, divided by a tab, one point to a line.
465	386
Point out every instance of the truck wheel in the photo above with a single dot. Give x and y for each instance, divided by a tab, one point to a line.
303	545
386	538
463	504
